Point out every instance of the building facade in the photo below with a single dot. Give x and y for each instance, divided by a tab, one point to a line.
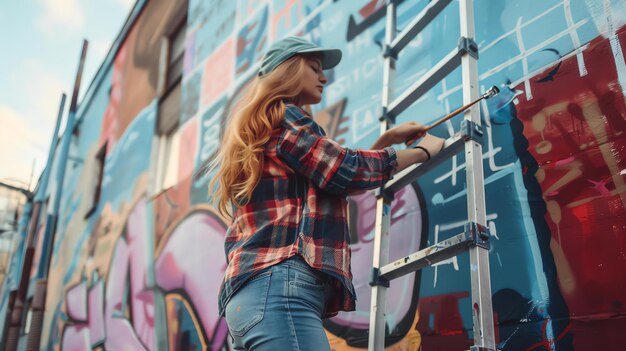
136	259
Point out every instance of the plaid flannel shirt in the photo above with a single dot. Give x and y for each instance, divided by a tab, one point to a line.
299	207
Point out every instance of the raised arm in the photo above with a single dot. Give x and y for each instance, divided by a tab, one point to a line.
330	166
408	133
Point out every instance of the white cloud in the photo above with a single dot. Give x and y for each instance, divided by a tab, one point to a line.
62	13
38	80
26	131
127	3
20	143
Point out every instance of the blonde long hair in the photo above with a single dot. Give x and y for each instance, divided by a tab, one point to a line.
239	161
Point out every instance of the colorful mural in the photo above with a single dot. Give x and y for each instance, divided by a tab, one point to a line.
143	270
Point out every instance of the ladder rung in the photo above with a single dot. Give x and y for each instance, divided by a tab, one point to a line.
428	80
417	25
441	251
452	146
470	131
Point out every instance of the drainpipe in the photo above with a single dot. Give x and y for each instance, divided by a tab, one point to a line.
39	298
17	298
12	275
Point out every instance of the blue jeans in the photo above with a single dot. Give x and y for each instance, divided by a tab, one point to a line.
280	308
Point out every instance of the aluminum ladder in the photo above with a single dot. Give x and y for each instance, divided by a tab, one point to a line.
475	236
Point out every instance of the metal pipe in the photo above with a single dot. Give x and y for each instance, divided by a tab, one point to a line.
13	319
29	194
38	307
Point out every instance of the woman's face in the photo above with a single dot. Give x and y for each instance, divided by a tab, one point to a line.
313	81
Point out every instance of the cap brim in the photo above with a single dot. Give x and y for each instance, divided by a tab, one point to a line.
330	57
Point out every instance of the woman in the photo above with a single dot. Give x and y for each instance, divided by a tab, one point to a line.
286	183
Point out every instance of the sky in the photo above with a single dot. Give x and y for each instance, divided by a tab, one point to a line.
40	44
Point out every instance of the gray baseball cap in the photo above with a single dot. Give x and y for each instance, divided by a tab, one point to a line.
283	49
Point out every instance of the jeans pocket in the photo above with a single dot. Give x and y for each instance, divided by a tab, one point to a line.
304	278
247	307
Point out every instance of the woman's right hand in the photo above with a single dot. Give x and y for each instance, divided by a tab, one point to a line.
408	157
432	143
406	133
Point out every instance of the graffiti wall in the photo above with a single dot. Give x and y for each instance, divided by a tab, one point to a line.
142	270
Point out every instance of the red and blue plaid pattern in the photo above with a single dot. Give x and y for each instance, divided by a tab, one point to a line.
299	207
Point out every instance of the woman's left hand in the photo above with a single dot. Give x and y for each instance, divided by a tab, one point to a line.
406	133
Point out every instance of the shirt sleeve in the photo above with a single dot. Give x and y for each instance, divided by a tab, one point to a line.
330	166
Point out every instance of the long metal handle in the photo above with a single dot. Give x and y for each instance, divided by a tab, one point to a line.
493	91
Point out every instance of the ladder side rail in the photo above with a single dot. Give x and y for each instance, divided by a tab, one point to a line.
379	291
482	311
376	338
389	68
